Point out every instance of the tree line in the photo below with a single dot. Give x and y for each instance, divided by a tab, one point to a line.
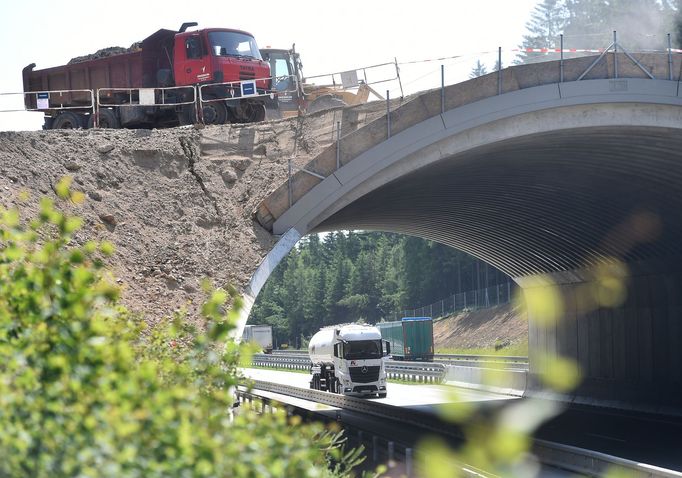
589	24
349	276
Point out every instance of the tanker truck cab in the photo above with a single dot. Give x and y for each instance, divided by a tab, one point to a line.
349	360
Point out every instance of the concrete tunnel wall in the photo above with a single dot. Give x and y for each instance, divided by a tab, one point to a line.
547	182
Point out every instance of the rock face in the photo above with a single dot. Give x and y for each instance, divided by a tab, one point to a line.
178	203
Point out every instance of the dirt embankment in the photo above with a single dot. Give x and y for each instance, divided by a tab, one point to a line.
502	325
177	203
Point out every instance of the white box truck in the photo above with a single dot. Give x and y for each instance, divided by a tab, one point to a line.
348	359
259	334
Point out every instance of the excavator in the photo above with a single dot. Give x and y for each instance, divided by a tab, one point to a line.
295	96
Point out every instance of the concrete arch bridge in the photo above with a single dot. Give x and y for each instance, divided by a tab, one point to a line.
566	176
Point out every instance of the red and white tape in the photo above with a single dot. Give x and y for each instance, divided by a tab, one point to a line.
558	50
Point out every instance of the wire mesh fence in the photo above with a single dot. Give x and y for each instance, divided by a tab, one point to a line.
493	296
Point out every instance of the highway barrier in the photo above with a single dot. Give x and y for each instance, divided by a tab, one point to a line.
422	372
495	380
570	458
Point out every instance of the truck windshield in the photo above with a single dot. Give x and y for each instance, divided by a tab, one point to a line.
362	349
233	44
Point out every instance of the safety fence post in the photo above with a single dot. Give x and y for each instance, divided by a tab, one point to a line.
561	62
615	55
388	112
375	448
670	59
442	89
338	144
408	462
499	70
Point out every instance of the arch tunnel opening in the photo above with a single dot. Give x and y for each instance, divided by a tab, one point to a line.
588	215
351	276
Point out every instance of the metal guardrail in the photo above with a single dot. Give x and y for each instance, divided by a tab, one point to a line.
281	361
480	358
422	372
49	100
508	362
515	362
236	90
567	457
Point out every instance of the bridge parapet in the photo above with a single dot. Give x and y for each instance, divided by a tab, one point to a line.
429	105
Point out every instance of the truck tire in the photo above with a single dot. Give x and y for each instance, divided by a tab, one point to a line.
257	113
66	120
187	116
215	112
107	119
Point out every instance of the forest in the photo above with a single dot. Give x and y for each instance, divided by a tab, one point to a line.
350	276
640	25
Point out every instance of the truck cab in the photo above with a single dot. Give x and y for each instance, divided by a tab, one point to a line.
349	360
218	55
359	361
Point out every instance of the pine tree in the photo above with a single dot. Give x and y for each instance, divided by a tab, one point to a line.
547	22
344	277
640	24
478	70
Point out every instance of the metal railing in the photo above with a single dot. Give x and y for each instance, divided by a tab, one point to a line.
233	90
469	300
146	96
107	97
502	84
509	362
49	100
563	456
357	76
421	372
378	448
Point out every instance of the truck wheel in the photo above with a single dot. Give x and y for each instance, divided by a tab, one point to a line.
66	120
107	119
215	112
187	116
257	113
325	102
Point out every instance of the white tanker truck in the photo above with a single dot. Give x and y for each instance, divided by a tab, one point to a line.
348	359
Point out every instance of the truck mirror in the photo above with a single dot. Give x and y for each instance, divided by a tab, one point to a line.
336	350
388	347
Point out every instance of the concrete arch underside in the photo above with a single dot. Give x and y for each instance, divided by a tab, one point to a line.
577	196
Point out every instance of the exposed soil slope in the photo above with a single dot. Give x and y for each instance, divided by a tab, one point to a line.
178	204
482	328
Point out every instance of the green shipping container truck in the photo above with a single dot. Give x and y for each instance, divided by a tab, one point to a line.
411	338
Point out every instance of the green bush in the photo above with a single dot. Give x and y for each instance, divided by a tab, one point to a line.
86	391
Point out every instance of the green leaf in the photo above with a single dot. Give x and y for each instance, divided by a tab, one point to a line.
63	187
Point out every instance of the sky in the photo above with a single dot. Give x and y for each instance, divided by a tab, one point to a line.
330	37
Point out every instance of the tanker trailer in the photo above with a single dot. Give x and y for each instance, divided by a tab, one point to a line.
348	359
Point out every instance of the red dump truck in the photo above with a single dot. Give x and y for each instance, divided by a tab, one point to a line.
171	78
